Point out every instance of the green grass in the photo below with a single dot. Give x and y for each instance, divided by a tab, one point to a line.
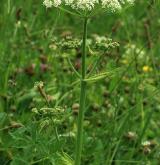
122	110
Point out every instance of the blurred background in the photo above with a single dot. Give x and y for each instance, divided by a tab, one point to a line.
28	54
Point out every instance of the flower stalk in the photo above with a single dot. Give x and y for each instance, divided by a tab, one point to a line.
79	140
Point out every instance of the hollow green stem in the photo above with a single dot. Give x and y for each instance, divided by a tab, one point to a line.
79	140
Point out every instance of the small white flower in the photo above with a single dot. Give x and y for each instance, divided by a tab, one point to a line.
146	143
48	3
56	3
112	5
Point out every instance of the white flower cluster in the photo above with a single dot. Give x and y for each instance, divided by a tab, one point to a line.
88	4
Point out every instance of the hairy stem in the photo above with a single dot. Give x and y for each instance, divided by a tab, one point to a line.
79	140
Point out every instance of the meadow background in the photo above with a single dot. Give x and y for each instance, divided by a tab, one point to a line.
122	117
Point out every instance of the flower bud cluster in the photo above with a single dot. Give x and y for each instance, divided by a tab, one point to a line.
104	43
48	111
68	43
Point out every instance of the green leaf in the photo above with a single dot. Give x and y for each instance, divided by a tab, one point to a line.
61	159
103	75
18	161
